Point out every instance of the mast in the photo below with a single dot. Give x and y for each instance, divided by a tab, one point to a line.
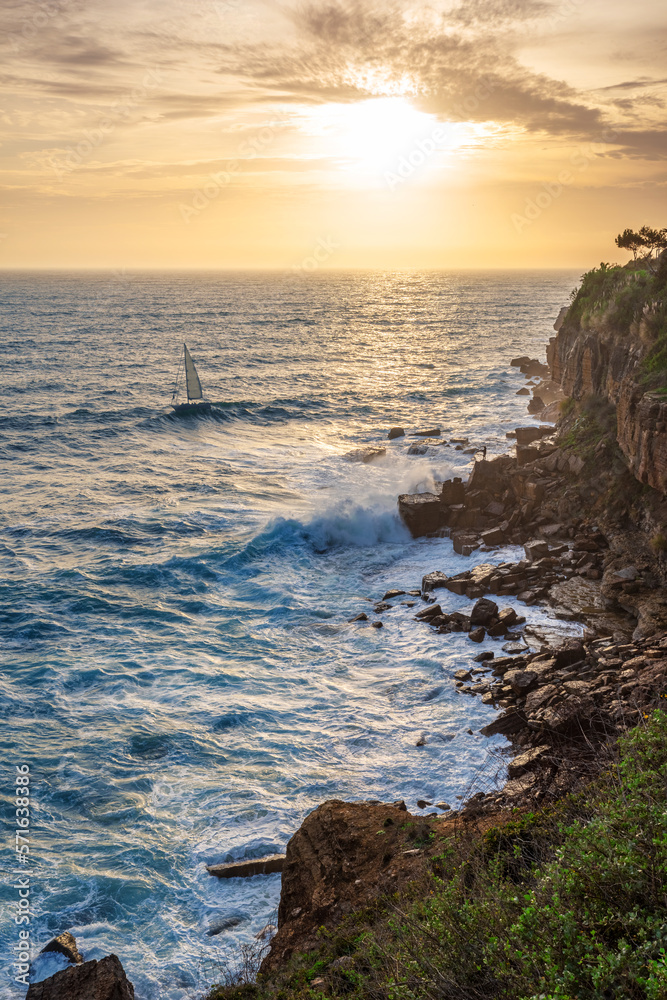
192	383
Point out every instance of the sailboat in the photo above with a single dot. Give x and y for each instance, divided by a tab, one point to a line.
196	402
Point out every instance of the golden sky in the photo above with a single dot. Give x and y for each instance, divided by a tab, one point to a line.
333	133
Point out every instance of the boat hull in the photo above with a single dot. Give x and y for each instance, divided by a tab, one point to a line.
183	409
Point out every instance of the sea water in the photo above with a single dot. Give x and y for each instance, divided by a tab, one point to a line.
178	669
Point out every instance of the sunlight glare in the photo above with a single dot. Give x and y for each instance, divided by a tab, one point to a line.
372	136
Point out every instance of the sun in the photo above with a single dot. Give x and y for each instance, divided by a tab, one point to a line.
373	136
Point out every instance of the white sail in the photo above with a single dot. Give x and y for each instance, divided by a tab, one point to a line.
192	382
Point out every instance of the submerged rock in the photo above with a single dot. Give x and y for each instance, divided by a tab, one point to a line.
395	432
364	454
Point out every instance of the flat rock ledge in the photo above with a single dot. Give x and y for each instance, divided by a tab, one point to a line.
97	980
268	865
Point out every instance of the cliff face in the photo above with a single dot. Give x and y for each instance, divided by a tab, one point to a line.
598	354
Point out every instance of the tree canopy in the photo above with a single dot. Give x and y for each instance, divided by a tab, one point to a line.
650	240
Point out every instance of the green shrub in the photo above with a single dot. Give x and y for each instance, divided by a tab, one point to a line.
562	904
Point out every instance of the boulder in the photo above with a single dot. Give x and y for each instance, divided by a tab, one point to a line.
523	392
392	593
422	513
569	653
477	634
98	980
481	575
536	699
536	405
526	435
508	724
453	492
64	944
491	474
535	550
433	580
534	367
417	449
483	612
431	432
465	542
336	864
395	432
363	617
268	865
521	681
432	611
507	617
364	454
494	536
518	362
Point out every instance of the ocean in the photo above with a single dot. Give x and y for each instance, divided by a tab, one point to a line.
178	669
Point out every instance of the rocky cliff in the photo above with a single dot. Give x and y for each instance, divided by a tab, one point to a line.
611	345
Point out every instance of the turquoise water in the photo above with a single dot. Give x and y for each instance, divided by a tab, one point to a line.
177	667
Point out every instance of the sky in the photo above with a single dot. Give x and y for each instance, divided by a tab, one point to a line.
329	134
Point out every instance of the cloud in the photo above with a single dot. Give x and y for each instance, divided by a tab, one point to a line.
351	51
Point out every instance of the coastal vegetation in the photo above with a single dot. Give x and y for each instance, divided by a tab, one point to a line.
564	903
631	301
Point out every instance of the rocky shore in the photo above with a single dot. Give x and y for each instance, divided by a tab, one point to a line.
582	492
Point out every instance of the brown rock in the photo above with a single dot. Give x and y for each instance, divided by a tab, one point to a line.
336	863
477	634
453	492
364	454
483	612
569	653
536	699
103	980
395	432
64	944
494	536
422	513
535	550
433	580
521	681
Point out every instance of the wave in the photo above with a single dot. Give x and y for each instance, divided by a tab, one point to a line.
349	526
